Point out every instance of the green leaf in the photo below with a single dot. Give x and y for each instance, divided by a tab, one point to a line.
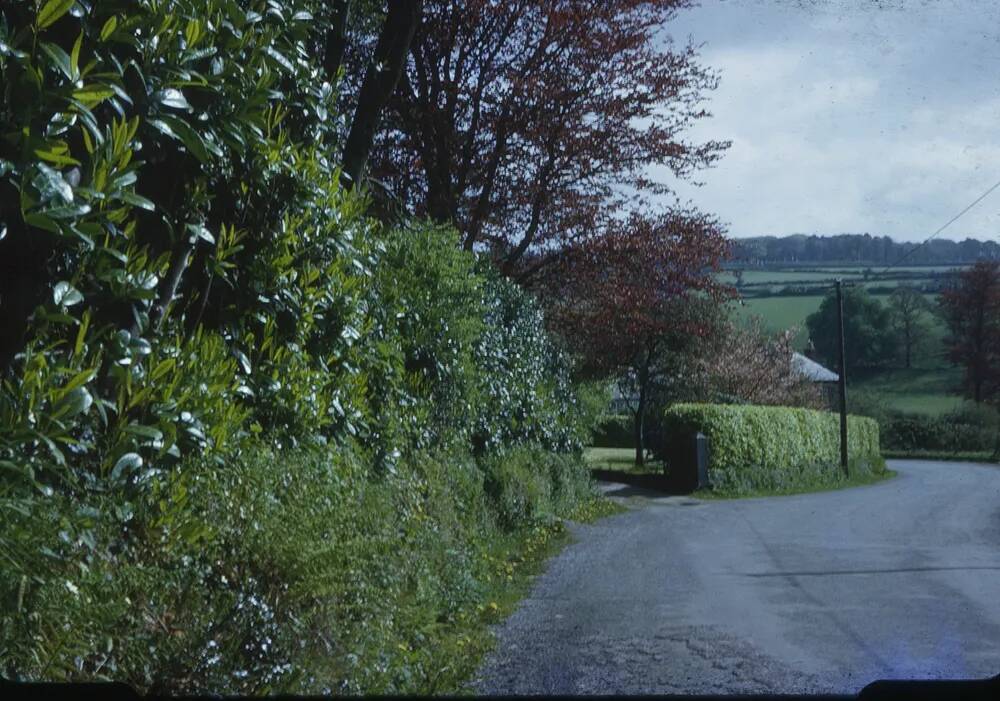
68	212
244	360
172	97
129	461
42	222
60	159
161	369
65	295
200	232
280	58
89	122
74	56
80	379
144	431
81	336
179	129
59	57
50	184
120	92
52	11
138	201
87	240
57	454
78	401
109	27
91	95
19	470
116	254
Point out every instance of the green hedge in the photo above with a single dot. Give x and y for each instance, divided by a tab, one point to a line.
287	572
192	307
615	431
754	448
939	434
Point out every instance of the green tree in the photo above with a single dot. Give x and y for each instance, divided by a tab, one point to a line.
908	314
868	336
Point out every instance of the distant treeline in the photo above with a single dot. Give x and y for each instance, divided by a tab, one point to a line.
858	249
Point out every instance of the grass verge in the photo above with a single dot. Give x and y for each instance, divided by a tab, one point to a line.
852	481
516	561
620	460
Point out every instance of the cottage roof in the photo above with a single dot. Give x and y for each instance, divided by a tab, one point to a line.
812	370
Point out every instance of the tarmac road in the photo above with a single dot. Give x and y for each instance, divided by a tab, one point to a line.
814	593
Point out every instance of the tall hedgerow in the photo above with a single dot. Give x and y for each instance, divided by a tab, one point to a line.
174	241
251	439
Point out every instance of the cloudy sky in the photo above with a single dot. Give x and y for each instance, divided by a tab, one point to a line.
879	116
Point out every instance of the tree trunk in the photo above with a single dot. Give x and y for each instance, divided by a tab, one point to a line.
640	418
640	448
169	290
336	38
379	83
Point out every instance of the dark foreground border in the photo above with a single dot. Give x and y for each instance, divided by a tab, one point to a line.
963	690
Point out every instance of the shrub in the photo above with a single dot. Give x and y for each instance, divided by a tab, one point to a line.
237	415
527	396
616	431
526	484
285	572
773	448
164	185
970	428
919	432
431	302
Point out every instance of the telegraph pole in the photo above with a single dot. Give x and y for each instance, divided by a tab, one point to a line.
842	381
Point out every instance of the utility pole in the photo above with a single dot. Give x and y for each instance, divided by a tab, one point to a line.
842	380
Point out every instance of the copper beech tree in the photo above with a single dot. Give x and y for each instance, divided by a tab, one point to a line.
971	309
531	125
642	289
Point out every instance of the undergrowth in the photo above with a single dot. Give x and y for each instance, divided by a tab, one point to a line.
293	572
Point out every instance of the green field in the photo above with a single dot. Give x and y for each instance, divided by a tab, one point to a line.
779	273
754	277
929	390
755	283
780	313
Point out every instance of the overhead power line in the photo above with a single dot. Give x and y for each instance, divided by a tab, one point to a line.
943	227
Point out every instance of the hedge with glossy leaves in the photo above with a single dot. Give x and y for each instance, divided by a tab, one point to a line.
774	448
222	380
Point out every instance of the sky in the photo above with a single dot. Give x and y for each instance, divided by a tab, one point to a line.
850	116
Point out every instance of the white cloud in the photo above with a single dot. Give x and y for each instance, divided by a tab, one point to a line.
830	135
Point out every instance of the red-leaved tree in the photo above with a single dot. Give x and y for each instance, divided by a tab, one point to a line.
637	292
533	124
971	309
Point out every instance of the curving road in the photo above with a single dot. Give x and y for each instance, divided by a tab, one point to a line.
816	593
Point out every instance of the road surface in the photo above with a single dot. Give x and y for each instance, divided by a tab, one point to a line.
815	593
